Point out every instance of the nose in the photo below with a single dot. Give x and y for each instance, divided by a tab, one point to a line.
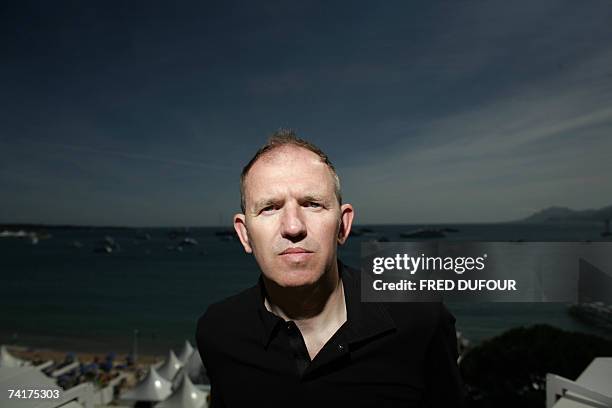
293	226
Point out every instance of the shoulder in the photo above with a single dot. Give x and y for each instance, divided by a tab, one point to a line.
230	307
407	315
425	318
220	318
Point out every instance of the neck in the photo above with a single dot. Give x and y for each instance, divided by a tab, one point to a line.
324	299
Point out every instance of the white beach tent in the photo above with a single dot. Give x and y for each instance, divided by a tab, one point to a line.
153	387
194	367
170	367
591	388
24	379
8	360
186	352
186	396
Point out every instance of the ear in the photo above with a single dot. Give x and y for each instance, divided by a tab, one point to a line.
241	230
346	222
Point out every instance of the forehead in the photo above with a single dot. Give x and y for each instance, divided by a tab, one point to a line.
289	169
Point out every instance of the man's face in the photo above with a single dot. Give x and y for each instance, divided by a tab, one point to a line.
292	220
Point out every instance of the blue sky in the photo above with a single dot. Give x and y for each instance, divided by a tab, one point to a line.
143	113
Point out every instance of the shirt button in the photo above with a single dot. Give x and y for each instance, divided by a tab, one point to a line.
340	347
289	325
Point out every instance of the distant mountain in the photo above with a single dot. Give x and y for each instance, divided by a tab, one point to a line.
556	214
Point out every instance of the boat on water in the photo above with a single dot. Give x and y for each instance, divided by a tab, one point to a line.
33	236
188	241
107	246
595	313
103	250
14	234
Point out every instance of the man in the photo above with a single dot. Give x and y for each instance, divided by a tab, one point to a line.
301	336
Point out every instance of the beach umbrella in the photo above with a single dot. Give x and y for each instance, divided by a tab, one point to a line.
70	357
185	396
8	360
185	352
153	387
170	367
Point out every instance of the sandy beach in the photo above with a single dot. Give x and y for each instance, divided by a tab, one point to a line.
132	373
42	354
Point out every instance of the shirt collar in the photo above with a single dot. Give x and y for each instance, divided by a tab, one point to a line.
364	319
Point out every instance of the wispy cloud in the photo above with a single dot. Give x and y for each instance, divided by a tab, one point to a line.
128	155
542	144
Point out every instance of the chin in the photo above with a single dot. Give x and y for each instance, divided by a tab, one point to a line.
297	278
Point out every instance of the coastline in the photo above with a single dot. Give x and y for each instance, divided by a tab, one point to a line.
86	344
58	355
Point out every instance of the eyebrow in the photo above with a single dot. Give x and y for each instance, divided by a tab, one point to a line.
313	197
274	201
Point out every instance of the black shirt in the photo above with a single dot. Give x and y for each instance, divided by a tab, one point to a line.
385	354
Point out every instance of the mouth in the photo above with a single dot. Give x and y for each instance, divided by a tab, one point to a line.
296	255
296	250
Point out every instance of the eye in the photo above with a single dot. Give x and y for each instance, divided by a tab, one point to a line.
313	204
267	209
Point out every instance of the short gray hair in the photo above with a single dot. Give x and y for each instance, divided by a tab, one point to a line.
287	137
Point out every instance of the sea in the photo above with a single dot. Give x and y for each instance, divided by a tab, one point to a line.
66	292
